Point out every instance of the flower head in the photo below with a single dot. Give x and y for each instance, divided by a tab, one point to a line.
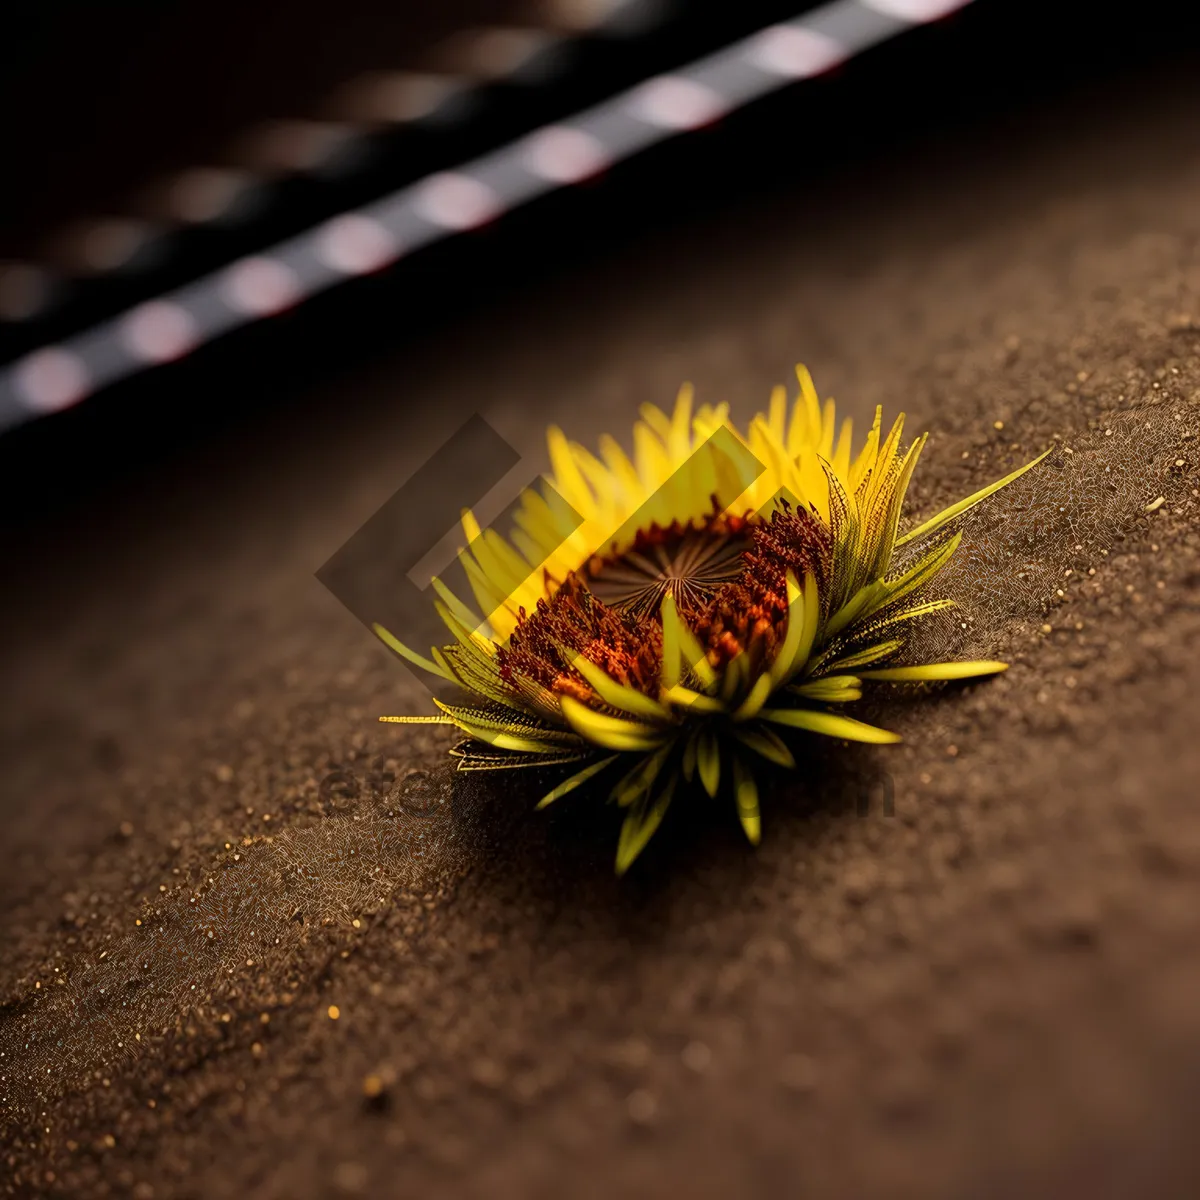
672	619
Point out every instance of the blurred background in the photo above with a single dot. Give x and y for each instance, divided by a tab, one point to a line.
147	146
985	212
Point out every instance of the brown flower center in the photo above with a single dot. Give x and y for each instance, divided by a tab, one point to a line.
729	581
749	614
688	562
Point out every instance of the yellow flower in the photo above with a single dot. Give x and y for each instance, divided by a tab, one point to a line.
665	616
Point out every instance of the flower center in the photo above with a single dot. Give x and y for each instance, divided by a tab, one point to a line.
690	563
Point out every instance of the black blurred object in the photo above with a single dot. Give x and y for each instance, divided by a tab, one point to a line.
948	87
141	94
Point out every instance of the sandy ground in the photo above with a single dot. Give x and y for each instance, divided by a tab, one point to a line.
990	992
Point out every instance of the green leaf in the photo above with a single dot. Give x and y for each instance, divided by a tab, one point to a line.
830	689
680	647
956	510
507	731
758	695
686	698
641	779
889	522
688	765
932	671
618	695
734	678
580	777
745	792
640	825
917	576
830	725
614	733
859	658
846	536
804	614
858	605
478	758
766	743
708	757
393	643
884	624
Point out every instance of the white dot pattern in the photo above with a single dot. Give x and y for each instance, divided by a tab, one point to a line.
358	243
676	102
261	286
160	331
355	245
563	154
454	200
51	379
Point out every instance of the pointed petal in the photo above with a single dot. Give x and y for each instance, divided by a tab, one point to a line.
794	631
862	658
393	643
680	647
734	679
580	777
618	695
465	616
679	437
766	743
812	404
804	615
640	826
745	794
613	733
916	576
858	605
830	725
689	757
864	464
758	695
841	454
830	688
507	730
708	757
473	756
638	782
929	671
956	510
777	414
568	479
686	698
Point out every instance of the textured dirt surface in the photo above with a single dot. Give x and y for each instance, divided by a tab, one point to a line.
991	992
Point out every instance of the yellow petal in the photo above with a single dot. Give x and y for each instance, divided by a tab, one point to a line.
765	742
708	759
419	660
580	777
745	794
617	695
956	510
931	671
613	733
830	725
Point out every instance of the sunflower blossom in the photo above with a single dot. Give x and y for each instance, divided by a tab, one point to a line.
675	618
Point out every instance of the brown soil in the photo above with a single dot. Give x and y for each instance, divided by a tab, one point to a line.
992	992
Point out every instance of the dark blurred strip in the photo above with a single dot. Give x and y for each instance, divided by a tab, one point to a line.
371	238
